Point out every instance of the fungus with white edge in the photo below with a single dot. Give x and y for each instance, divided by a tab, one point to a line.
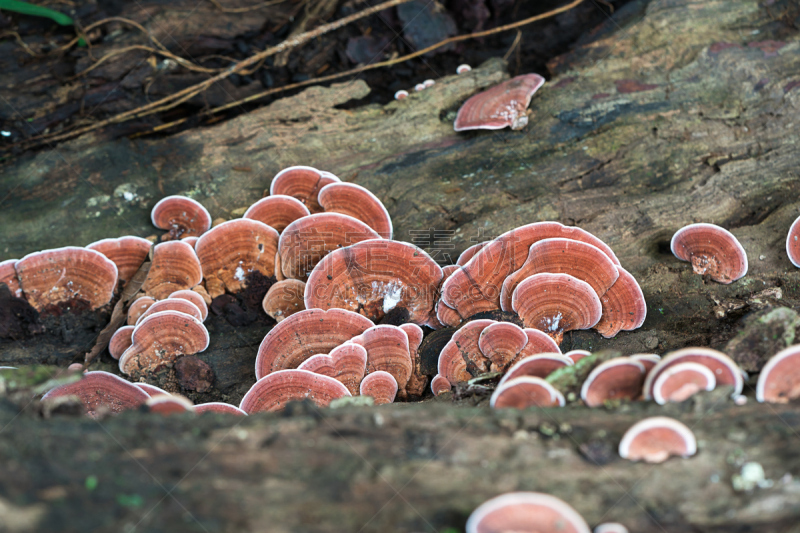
525	512
793	243
779	380
180	216
400	95
274	391
655	439
102	391
501	106
526	391
461	69
679	382
615	379
712	250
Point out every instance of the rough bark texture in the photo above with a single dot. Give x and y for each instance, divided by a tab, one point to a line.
675	111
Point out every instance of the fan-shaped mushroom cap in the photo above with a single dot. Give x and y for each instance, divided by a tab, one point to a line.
306	241
726	371
284	298
577	355
387	350
447	270
8	275
440	384
128	253
526	512
446	315
234	249
470	252
161	338
462	69
649	360
538	342
418	380
540	365
610	527
175	267
415	334
302	183
169	405
526	391
375	276
138	308
563	256
655	439
793	243
218	407
346	363
380	385
151	390
779	380
357	202
120	341
555	303
191	241
476	287
400	95
712	250
618	378
679	382
195	298
501	343
277	211
624	307
100	390
273	392
173	304
181	216
501	106
461	358
304	334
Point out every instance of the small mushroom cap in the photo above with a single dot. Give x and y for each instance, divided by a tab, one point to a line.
218	407
357	202
611	527
380	385
195	298
726	371
151	390
440	384
302	183
120	341
138	308
540	365
346	364
169	405
461	359
470	252
273	392
779	380
615	379
54	276
321	363
175	267
461	69
649	360
793	243
538	342
655	439
563	256
387	350
501	342
525	512
419	87
191	241
446	315
304	334
501	106
284	298
181	216
180	305
524	392
679	382
8	275
624	306
555	303
375	276
277	211
306	241
100	391
128	253
234	249
415	335
712	250
400	95
577	355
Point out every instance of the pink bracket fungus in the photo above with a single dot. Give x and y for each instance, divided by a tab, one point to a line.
501	343
284	298
447	316
525	512
418	380
655	439
556	303
138	308
375	276
470	252
779	380
346	364
302	183
356	201
307	333
306	241
679	382
526	391
726	371
563	256
160	338
8	275
151	390
649	360
428	83
624	306
499	107
461	359
273	392
175	267
419	87
173	304
230	252
195	298
400	95
712	250
448	270
277	211
120	341
191	241
102	391
218	407
462	69
128	253
57	276
615	379
381	386
538	342
387	350
793	243
577	355
610	527
440	384
169	405
540	365
180	216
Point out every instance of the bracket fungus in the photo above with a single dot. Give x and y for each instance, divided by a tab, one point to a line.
624	306
381	385
357	202
615	379
649	360
302	183
440	384
447	316
387	350
346	363
8	275
375	276
501	106
501	343
656	439
128	253
401	94
273	392
138	307
102	391
793	243
175	267
179	305
181	217
469	253
779	380
712	250
169	405
218	407
284	298
577	355
526	512
540	365
610	527
526	391
461	359
679	382
151	390
120	341
57	276
277	211
725	370
195	298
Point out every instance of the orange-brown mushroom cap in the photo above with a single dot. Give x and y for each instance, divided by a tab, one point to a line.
538	342
181	216
387	350
195	298
524	392
461	358
151	390
526	512
501	106
793	243
100	391
180	305
8	275
726	371
357	202
440	384
615	379
169	405
273	392
681	381
539	365
447	316
470	252
624	306
277	211
302	183
284	298
128	253
346	363
138	308
501	343
380	385
712	250
649	360
779	380
120	341
175	267
655	439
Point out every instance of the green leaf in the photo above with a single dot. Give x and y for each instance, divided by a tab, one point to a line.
37	11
